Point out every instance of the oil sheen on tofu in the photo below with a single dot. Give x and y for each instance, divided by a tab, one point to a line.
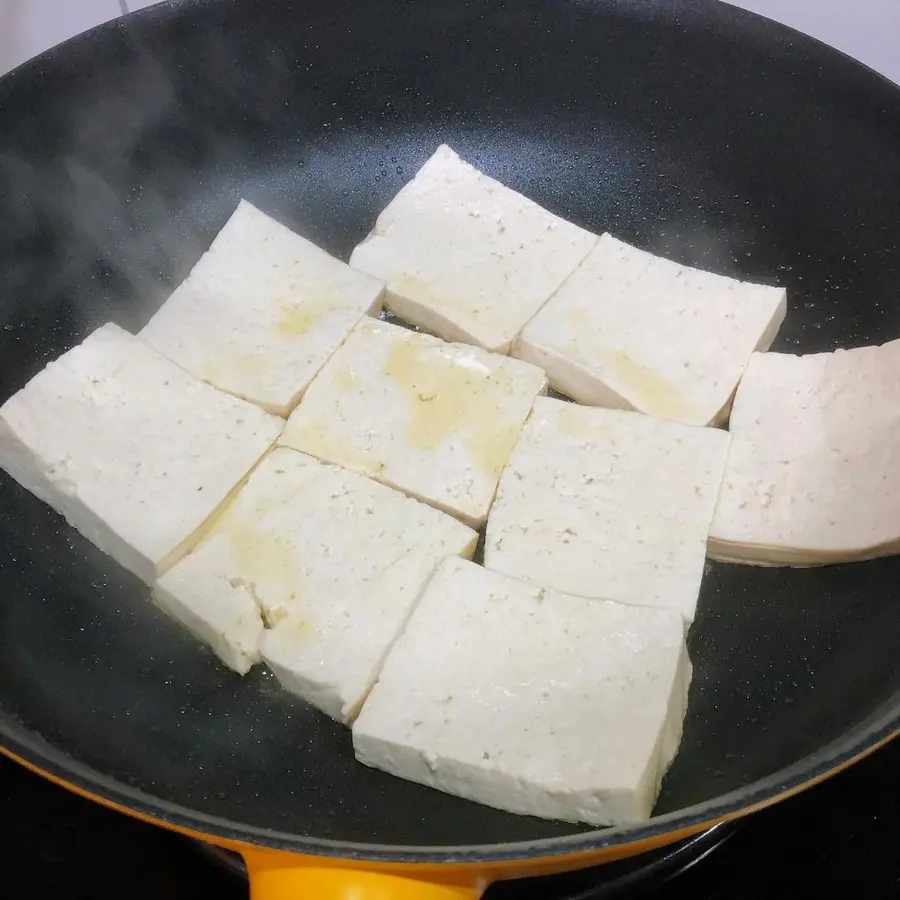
467	258
437	421
332	562
630	330
608	503
813	474
262	311
135	453
544	704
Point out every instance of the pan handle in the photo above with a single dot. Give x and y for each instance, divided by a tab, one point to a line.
288	876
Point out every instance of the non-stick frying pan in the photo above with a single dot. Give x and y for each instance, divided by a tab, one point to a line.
687	128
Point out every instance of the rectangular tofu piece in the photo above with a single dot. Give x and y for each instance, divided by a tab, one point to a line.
630	330
812	475
465	257
437	421
335	563
133	451
261	311
218	611
543	704
608	503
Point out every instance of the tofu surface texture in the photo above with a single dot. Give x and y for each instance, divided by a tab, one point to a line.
219	611
135	453
261	311
333	561
437	421
608	503
543	704
813	474
465	257
630	330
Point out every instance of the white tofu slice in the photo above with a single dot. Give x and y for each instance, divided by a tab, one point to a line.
630	330
608	503
261	311
134	452
465	257
543	704
218	610
435	420
812	475
334	561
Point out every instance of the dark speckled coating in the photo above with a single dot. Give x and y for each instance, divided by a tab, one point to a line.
687	128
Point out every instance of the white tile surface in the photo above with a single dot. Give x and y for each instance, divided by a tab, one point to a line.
28	27
866	29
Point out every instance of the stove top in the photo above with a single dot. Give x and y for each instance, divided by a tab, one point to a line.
842	836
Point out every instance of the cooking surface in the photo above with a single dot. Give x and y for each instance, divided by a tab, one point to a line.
157	148
838	838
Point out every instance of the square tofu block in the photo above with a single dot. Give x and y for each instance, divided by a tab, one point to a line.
608	503
630	330
435	420
465	257
134	452
543	704
813	474
261	311
219	611
335	563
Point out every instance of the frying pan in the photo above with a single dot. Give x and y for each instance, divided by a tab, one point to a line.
687	128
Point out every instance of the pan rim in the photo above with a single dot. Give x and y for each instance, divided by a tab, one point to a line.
736	17
880	727
842	752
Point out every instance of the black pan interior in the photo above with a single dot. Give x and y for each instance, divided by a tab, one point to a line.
688	128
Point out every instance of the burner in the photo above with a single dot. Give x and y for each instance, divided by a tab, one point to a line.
629	877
